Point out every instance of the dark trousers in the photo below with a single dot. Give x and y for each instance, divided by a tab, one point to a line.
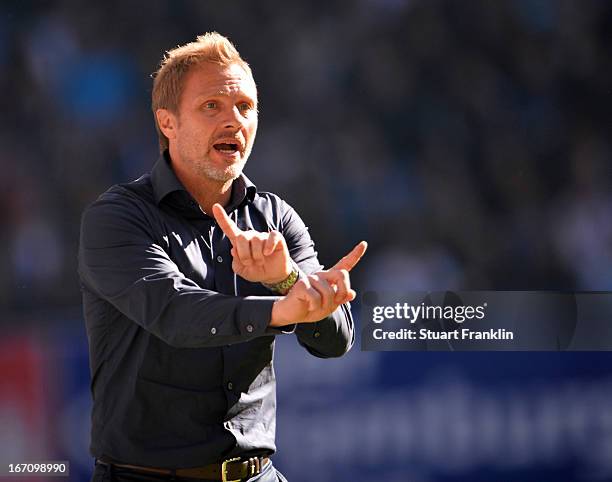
107	473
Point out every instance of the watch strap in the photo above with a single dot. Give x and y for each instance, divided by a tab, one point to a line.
285	285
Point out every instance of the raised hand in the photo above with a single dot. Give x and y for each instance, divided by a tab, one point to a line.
318	295
257	257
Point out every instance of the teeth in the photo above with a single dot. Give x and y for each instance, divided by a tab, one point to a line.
226	147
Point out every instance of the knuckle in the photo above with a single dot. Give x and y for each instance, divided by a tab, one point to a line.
322	283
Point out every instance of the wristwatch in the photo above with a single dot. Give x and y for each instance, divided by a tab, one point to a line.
285	285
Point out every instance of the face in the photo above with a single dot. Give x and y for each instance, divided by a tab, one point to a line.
213	132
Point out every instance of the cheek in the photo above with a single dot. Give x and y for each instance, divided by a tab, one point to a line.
252	129
196	133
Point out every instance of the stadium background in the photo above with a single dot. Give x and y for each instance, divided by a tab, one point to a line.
468	142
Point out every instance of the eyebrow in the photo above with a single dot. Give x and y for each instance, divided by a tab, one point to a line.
222	93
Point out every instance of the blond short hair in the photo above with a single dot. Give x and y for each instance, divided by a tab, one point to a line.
169	78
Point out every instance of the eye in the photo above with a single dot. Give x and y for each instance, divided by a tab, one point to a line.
244	107
210	105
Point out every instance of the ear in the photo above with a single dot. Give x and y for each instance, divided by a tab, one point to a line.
167	122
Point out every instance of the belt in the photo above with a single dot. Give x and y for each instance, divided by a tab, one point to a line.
231	470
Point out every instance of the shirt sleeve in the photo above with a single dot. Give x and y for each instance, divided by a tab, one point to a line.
334	335
122	261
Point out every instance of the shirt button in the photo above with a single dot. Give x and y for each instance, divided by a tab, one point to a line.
249	328
317	334
213	330
219	259
230	386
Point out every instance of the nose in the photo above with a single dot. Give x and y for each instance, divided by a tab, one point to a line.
233	119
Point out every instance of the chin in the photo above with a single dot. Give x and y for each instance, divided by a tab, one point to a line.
223	175
220	171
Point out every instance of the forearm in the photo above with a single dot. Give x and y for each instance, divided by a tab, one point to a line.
186	316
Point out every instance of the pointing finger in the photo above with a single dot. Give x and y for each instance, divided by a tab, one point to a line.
349	261
227	225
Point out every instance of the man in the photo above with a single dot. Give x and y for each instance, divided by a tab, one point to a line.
188	273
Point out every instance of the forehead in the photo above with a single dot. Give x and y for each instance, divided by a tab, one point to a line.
209	79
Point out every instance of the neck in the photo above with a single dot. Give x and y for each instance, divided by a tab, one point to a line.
204	190
208	192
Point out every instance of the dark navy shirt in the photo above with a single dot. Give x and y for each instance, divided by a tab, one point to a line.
180	348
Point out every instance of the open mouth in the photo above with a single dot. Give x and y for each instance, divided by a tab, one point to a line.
227	147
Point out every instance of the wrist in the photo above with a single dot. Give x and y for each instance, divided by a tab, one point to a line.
285	284
276	318
281	277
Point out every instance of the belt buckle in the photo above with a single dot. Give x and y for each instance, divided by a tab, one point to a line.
224	470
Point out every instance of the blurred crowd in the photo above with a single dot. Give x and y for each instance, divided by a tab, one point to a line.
468	142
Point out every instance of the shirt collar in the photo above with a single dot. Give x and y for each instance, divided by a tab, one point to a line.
165	182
